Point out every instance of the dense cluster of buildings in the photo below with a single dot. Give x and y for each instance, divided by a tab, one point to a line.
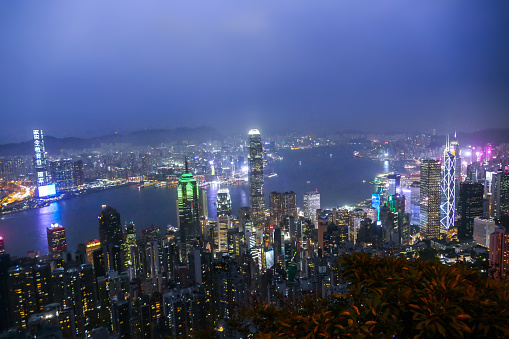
189	279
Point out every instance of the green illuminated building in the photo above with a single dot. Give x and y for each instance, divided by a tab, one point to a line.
188	213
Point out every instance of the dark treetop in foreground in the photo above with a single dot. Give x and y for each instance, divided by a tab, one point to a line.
393	297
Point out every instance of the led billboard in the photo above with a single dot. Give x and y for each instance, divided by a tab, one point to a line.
46	191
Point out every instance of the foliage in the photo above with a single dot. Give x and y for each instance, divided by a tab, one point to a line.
393	297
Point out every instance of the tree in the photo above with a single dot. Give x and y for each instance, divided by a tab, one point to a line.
396	298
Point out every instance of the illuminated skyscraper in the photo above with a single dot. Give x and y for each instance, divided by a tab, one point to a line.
430	198
394	181
224	212
78	174
282	204
449	183
110	228
256	180
499	254
62	172
188	213
224	203
311	204
129	243
57	242
40	158
90	247
500	191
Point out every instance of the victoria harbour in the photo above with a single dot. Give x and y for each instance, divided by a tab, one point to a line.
340	178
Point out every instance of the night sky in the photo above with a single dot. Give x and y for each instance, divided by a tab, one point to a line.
88	68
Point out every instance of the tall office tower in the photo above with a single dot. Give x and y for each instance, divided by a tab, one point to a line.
188	213
221	236
110	228
62	173
281	205
256	180
204	208
430	198
311	204
78	173
500	194
57	242
40	158
224	203
499	254
415	202
394	181
129	243
470	207
448	206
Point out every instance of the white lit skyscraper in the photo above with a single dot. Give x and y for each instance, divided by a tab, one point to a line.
449	183
256	181
311	204
40	158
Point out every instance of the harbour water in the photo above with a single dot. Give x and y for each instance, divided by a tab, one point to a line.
333	171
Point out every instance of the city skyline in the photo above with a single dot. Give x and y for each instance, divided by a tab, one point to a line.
328	66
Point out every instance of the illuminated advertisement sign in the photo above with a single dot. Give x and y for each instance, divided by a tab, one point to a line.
375	202
269	258
46	191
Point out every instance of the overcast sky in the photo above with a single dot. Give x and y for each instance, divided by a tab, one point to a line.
78	68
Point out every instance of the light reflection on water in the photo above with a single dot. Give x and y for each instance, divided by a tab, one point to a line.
339	179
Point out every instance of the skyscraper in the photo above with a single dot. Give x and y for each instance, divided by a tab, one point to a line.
499	254
448	206
430	198
500	191
78	174
224	203
57	242
224	212
470	207
40	158
110	228
311	204
188	213
129	243
256	180
282	204
394	181
62	172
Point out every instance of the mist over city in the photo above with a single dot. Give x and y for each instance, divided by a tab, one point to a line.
265	169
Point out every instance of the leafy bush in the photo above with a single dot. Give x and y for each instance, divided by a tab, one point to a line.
396	298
